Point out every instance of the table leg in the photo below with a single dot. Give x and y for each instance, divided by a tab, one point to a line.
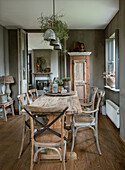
12	109
5	113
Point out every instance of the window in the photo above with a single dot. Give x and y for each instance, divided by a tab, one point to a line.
112	60
110	55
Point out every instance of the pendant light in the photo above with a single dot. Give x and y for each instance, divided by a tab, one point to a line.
50	34
55	43
58	47
51	24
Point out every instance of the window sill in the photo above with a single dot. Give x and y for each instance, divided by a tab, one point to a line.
112	89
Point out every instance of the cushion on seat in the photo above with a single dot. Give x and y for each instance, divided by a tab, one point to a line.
48	137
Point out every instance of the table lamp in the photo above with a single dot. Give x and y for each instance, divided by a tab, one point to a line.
7	80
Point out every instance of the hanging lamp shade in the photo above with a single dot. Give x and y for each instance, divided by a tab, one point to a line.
58	47
49	35
55	43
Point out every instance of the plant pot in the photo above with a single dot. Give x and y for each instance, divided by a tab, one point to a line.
67	86
59	89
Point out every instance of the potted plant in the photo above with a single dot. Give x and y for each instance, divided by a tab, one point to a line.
67	83
60	85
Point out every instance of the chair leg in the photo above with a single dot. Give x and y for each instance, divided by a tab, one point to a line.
65	149
63	156
36	155
5	113
93	130
73	138
32	152
22	142
97	141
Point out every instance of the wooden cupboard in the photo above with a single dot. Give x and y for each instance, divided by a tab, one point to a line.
79	73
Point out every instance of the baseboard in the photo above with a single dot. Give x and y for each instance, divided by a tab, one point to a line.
122	140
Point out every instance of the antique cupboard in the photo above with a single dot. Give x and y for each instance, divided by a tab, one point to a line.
79	73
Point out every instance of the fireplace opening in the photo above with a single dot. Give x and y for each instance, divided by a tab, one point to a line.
42	85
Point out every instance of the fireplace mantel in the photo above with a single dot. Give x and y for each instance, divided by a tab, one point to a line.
42	74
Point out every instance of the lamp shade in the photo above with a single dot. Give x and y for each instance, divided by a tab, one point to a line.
55	43
49	35
7	79
58	47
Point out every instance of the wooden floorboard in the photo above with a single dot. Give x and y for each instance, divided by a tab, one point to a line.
112	147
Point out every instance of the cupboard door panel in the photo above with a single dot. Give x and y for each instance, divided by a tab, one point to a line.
80	78
81	91
79	71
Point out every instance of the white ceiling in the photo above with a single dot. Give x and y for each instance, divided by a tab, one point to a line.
79	14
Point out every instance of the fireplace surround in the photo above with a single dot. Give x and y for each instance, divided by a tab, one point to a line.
41	81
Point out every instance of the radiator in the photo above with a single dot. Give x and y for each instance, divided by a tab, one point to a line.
112	111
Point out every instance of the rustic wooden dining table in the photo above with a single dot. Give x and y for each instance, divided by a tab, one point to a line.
55	101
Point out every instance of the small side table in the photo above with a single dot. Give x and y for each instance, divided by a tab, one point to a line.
4	106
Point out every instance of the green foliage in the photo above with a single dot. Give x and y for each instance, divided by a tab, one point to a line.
60	28
66	79
59	82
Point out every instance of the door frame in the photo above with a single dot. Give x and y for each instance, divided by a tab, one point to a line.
20	74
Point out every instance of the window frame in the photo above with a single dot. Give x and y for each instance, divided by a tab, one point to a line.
112	56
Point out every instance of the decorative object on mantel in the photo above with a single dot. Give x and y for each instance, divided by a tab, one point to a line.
67	83
40	62
78	47
110	79
82	47
54	29
47	69
7	80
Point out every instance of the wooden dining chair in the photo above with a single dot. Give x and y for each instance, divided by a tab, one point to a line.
50	136
88	103
24	101
87	119
34	94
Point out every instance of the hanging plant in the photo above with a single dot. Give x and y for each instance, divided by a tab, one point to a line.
60	28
